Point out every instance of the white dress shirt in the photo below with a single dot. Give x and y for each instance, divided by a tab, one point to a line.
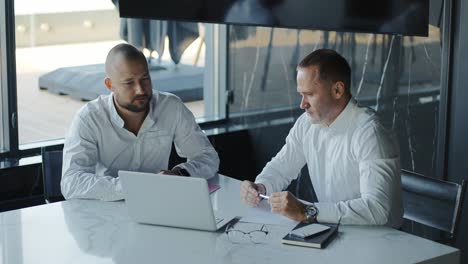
354	166
98	146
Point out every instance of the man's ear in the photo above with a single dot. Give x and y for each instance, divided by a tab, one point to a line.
338	90
108	83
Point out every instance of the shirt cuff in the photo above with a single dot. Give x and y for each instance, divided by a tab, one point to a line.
327	213
118	192
183	167
268	187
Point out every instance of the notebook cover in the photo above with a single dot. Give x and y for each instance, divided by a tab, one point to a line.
320	240
213	187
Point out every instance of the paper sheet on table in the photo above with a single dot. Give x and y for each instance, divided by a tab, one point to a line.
262	214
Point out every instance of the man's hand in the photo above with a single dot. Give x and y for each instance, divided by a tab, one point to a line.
249	192
169	172
288	205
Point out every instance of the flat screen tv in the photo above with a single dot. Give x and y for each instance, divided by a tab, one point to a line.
402	17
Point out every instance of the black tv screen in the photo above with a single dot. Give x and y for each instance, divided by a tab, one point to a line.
402	17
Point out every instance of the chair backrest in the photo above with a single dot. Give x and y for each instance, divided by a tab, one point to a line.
303	188
432	202
52	174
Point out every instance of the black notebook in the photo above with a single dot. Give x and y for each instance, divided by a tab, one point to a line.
320	240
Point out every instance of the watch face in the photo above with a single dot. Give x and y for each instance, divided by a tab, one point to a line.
312	210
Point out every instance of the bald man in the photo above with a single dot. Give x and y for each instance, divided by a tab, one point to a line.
133	129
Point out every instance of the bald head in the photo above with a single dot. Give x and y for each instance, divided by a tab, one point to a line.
121	52
129	80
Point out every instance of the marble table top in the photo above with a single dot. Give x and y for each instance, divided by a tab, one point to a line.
86	231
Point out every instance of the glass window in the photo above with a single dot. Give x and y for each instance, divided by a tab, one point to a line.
61	47
399	77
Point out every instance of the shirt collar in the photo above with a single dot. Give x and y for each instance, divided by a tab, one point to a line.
341	123
114	115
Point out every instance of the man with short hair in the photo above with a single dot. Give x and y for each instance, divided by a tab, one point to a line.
353	161
131	129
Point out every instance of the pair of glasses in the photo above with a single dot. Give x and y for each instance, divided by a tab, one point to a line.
238	236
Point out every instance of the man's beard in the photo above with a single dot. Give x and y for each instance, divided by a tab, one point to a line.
136	109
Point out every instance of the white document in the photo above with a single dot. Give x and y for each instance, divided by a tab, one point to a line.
262	214
309	230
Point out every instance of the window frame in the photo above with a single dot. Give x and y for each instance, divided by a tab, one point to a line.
9	103
445	91
3	84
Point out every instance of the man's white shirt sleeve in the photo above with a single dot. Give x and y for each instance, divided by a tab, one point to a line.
98	146
379	163
368	194
286	165
79	179
191	142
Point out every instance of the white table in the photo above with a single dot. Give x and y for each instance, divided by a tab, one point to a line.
84	231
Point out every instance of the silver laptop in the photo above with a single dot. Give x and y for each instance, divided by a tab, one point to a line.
170	201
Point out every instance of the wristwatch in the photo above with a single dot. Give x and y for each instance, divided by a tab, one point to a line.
311	213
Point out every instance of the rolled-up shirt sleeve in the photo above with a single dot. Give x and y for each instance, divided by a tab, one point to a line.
379	181
79	179
286	165
192	143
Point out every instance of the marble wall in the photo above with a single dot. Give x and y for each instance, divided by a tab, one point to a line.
399	77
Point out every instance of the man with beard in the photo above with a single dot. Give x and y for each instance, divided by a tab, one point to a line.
131	129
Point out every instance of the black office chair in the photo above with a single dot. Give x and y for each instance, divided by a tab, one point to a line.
52	174
433	202
302	187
